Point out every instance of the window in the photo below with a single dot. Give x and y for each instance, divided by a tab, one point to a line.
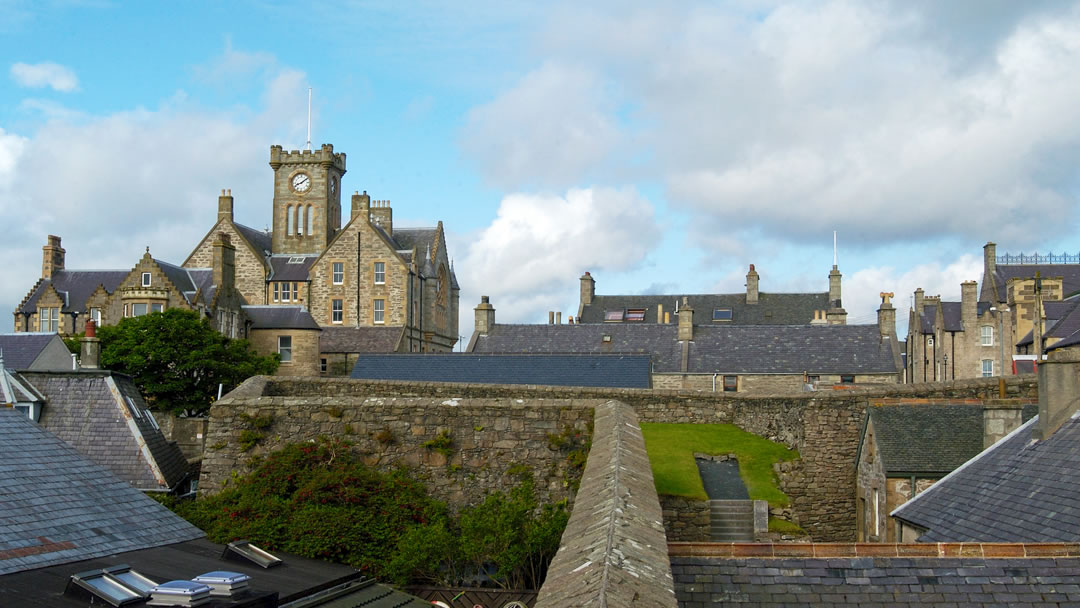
295	292
380	273
613	315
877	520
138	309
380	312
299	220
95	316
987	368
635	314
284	348
275	292
48	319
322	365
337	311
146	279
847	379
813	379
157	307
289	220
338	269
987	335
721	314
731	384
310	218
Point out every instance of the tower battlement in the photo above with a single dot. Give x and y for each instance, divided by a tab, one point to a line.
323	156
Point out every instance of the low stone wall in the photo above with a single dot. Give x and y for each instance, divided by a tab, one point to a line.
613	552
686	519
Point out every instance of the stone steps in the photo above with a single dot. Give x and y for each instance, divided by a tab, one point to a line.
731	520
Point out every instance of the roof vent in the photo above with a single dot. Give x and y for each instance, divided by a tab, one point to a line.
223	583
242	550
179	593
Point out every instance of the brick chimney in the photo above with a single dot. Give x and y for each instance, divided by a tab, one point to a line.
752	286
382	215
485	316
588	291
361	205
225	206
224	264
686	320
52	258
91	347
1059	385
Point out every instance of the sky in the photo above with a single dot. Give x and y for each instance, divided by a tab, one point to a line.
663	147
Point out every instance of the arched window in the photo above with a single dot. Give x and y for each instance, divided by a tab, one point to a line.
299	221
289	219
310	218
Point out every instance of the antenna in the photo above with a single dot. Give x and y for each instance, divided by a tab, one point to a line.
833	242
309	119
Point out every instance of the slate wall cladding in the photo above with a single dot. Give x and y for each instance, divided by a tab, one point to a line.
824	426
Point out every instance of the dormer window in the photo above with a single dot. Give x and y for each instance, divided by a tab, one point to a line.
613	315
146	279
635	314
721	314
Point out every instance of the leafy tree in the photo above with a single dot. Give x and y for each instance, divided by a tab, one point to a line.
177	359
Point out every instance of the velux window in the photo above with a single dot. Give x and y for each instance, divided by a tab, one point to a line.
613	315
721	314
635	314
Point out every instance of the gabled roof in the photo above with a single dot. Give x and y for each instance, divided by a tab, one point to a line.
359	339
658	341
60	507
1018	490
103	416
75	286
15	390
27	350
771	309
1069	273
291	267
927	439
613	371
260	241
280	317
1062	321
188	281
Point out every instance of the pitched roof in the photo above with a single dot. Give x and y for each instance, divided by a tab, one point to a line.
75	286
1018	490
421	238
291	267
613	371
20	350
103	416
1062	321
359	339
1069	273
189	280
659	341
279	317
260	240
771	309
60	507
932	439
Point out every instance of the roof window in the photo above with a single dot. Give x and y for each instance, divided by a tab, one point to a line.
635	314
245	551
179	593
297	259
613	315
117	585
721	314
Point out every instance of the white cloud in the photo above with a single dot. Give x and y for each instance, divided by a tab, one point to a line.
530	257
45	74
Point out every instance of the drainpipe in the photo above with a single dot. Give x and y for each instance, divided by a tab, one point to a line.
714	381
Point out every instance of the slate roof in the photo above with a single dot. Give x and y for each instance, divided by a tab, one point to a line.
876	582
189	280
281	269
279	317
75	286
952	316
59	507
930	439
261	241
421	238
91	411
1017	490
611	371
734	349
771	309
1069	273
359	339
20	350
1062	321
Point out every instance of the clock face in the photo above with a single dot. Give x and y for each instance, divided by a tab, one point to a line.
333	185
301	182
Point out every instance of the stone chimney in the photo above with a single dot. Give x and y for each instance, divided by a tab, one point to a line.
225	206
835	301
91	347
886	316
1059	392
224	264
686	320
485	316
752	286
969	305
52	258
918	302
382	215
588	291
1000	417
990	265
361	205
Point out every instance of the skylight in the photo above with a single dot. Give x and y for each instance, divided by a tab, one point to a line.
721	314
635	314
297	259
116	585
613	315
249	552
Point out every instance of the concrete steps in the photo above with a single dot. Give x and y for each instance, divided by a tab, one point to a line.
732	521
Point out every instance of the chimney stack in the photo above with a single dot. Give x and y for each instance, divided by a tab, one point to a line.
1059	385
835	301
361	205
558	318
224	263
588	291
485	316
383	216
990	267
686	320
52	258
886	316
225	205
752	286
918	303
91	347
969	304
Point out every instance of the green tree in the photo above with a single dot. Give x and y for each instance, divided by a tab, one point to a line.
177	359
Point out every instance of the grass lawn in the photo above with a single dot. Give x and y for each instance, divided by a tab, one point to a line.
671	454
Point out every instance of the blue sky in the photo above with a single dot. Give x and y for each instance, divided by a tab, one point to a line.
662	148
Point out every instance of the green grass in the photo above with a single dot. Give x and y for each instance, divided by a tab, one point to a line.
671	454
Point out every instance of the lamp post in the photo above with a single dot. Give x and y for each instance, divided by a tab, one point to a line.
1001	336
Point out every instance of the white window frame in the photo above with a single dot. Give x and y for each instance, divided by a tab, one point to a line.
337	311
277	286
987	368
986	335
295	292
95	316
379	272
146	279
157	307
135	309
337	269
49	318
284	348
378	312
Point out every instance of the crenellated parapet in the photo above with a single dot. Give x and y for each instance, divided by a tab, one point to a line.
324	156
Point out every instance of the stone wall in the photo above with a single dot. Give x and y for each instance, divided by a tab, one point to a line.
763	384
686	519
305	349
250	279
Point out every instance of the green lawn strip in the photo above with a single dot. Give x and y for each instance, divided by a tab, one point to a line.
671	453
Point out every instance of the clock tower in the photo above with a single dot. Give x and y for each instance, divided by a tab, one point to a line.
307	198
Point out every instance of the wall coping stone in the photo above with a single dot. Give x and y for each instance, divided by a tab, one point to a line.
826	550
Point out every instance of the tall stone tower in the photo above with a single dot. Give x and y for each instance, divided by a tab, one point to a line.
307	198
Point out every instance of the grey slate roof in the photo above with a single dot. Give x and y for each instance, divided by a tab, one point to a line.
260	240
931	439
75	286
91	412
281	269
359	339
1069	273
876	582
1018	490
771	309
421	238
659	341
612	371
25	350
279	317
1062	321
59	507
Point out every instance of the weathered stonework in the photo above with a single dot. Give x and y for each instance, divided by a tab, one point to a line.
251	269
305	349
686	519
